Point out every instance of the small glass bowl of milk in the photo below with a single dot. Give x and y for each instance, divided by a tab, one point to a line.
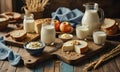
99	37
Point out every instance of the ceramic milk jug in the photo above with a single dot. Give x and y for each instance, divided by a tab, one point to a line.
91	18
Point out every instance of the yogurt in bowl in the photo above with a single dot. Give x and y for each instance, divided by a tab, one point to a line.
34	47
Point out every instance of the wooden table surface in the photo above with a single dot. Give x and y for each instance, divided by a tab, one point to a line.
55	65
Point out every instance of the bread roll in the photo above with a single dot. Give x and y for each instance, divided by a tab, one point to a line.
39	22
109	26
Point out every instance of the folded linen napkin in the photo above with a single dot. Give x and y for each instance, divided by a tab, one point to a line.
7	53
65	14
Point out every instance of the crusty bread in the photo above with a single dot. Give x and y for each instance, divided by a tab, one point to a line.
39	22
12	15
109	26
78	46
18	35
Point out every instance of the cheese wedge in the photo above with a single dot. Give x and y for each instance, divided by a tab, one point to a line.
82	47
78	46
68	46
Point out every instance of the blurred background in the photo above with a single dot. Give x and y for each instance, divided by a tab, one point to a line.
111	7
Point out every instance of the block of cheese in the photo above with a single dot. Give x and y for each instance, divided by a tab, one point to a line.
82	47
39	22
68	46
78	46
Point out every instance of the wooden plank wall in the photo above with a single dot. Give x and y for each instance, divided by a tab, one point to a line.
5	5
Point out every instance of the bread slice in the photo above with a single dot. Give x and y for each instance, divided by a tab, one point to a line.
78	46
39	22
18	35
109	26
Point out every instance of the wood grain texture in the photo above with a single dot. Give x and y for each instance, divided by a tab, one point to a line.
57	65
81	65
110	67
22	68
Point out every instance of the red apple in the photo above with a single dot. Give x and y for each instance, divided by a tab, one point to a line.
57	25
65	27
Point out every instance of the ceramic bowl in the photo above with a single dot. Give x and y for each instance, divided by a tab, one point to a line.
65	36
33	48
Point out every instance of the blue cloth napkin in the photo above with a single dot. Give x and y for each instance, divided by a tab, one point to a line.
7	53
65	14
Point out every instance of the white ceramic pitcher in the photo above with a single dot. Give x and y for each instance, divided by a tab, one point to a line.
91	18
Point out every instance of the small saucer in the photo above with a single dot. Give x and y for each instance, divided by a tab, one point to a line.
65	36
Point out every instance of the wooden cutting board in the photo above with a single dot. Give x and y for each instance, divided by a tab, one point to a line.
70	58
29	37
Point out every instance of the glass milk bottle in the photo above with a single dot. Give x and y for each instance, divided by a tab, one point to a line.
48	33
28	23
91	18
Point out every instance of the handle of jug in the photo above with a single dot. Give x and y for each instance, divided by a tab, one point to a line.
101	12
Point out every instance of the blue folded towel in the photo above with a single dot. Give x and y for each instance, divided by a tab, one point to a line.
7	53
65	14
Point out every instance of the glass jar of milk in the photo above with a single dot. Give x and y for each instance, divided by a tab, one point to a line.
28	23
48	34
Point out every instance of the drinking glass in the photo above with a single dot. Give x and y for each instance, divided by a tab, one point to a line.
82	32
99	37
48	33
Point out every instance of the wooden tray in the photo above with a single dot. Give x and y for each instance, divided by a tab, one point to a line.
30	37
71	58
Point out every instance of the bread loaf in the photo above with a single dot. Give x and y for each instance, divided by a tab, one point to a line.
109	26
18	35
39	22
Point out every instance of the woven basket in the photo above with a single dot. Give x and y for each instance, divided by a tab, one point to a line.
4	23
37	15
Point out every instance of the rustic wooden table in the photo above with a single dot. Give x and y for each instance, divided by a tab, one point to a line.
55	65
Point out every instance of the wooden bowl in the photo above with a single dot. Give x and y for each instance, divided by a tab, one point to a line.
13	16
3	21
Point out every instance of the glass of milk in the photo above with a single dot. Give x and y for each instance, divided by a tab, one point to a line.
82	32
99	37
48	34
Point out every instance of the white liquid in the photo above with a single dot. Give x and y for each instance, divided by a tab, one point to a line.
99	37
29	25
91	19
48	34
81	32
